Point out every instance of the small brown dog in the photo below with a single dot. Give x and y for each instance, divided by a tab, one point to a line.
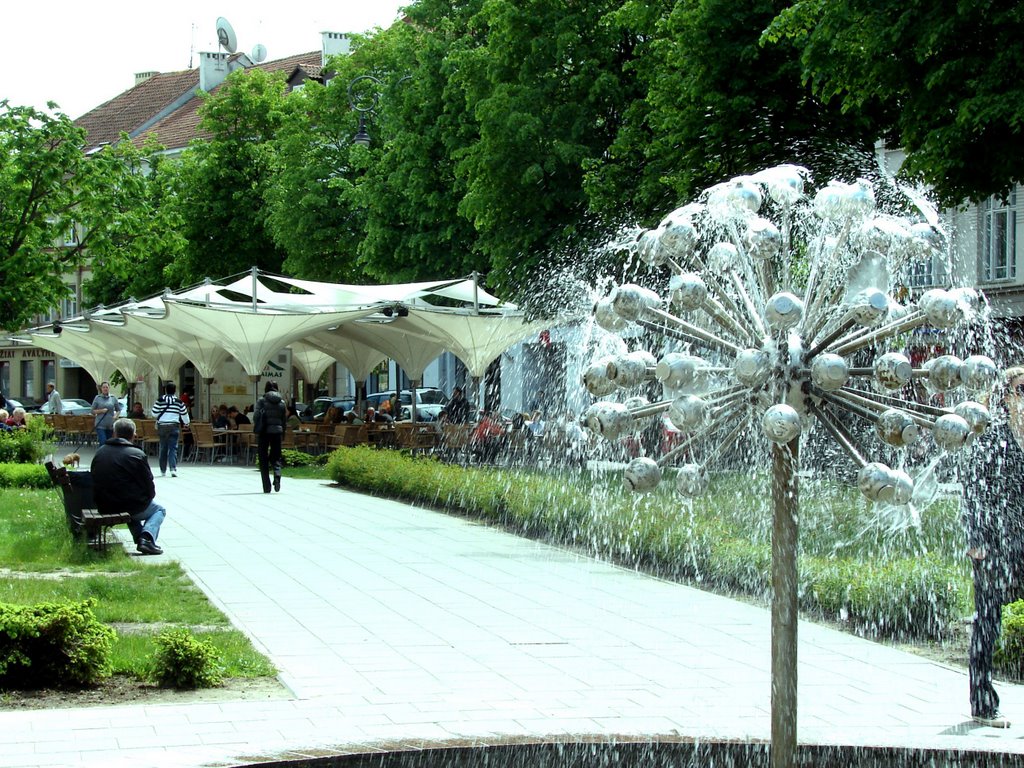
72	460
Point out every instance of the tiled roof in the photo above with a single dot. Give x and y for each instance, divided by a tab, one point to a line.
135	110
131	109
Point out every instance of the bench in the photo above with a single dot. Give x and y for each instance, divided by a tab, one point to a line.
80	509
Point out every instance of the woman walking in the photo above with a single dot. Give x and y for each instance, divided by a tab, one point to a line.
268	424
105	409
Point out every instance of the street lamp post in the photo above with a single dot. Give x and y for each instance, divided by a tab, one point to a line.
365	103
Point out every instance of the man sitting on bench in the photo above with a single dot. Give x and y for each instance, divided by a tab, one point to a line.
123	482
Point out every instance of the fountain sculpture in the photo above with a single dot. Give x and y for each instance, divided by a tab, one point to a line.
779	311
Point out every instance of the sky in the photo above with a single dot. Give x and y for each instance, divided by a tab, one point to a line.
82	54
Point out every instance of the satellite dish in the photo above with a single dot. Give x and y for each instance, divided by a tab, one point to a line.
226	35
259	52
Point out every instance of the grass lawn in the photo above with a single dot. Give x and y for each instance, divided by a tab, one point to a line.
42	563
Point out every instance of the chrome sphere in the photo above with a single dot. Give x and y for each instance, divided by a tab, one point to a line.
893	370
752	367
596	378
742	195
944	372
830	372
630	370
687	291
951	432
979	373
610	420
941	308
688	412
896	428
676	370
870	306
783	311
648	248
876	481
781	423
764	241
723	256
642	475
606	316
975	414
692	480
902	487
678	239
630	301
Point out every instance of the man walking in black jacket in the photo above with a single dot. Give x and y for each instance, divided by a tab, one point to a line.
269	419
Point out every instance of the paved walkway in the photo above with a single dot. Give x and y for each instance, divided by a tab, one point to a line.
390	623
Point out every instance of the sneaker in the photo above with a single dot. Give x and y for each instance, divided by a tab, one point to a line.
147	546
996	720
163	474
174	473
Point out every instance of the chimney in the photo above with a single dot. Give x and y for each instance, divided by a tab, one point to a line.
334	44
141	77
213	69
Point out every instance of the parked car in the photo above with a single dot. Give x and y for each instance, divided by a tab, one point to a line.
429	402
72	406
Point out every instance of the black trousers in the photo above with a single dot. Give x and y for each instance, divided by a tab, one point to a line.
992	588
269	450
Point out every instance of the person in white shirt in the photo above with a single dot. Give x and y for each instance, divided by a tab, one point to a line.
170	414
53	398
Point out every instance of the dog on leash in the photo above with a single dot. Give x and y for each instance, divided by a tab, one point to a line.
72	460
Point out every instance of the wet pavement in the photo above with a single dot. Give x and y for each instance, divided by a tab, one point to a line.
392	624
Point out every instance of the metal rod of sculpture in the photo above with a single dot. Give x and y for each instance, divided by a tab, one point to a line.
786	357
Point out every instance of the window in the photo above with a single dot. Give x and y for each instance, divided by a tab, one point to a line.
998	252
28	379
5	377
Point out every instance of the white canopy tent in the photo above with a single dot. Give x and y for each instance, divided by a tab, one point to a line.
254	316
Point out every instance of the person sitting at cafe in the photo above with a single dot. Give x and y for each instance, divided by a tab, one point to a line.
137	412
17	418
353	418
487	436
4	416
293	423
235	418
456	411
123	482
220	419
374	416
333	415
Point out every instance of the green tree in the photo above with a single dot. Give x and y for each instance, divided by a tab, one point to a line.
946	79
149	237
50	189
225	176
409	189
546	87
313	213
717	104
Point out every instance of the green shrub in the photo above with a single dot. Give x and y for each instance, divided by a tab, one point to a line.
293	458
28	445
24	476
185	662
53	645
1009	654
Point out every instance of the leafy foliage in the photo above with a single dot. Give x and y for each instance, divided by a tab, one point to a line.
944	81
26	445
223	180
21	475
185	662
57	204
53	645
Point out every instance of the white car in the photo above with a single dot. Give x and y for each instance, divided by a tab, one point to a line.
72	406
